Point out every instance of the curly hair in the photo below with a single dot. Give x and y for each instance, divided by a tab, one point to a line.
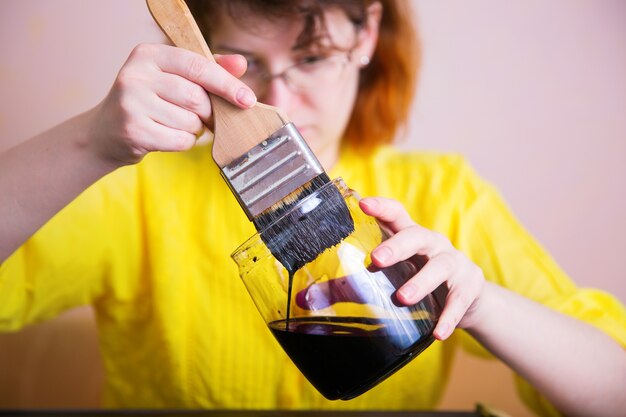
387	84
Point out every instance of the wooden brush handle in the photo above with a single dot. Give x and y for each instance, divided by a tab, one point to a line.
236	130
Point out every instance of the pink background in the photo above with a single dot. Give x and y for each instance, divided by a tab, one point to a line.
532	92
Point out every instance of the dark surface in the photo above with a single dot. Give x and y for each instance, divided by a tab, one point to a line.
231	413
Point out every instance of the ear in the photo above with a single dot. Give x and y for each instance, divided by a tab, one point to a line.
368	35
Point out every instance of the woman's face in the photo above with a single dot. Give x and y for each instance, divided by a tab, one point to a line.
319	89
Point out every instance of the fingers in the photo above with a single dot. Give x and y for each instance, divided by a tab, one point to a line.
173	140
208	74
464	292
389	211
464	280
158	137
235	64
184	94
171	115
445	264
436	270
159	101
409	238
409	241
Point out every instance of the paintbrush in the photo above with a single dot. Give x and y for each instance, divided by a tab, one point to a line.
266	162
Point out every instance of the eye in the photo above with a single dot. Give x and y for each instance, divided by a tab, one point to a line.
311	59
311	62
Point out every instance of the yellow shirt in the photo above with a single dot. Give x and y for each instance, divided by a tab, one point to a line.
149	247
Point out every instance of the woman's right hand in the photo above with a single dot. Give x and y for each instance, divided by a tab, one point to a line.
159	102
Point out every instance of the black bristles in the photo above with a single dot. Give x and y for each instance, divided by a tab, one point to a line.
296	236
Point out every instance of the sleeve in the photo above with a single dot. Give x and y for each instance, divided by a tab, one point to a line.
490	235
66	262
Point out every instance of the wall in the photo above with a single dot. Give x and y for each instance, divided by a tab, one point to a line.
533	93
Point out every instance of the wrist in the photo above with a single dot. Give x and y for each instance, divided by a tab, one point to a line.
84	144
485	306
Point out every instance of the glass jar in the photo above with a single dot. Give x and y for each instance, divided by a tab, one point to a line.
337	316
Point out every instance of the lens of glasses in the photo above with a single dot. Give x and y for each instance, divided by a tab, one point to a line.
307	76
304	76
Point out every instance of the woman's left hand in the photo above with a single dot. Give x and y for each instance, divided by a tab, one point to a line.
465	280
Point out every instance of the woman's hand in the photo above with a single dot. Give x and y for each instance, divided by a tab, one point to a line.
534	341
159	102
465	280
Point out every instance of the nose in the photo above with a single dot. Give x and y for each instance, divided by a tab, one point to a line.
279	94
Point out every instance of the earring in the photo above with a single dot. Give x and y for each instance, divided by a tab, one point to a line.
364	60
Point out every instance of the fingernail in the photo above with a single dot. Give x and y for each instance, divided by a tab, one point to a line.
382	254
442	331
245	97
408	291
370	203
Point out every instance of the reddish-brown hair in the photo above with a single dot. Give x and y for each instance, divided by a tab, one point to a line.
387	84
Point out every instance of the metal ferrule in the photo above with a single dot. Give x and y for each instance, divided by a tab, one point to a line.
271	170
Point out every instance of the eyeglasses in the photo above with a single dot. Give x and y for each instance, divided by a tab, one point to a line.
310	73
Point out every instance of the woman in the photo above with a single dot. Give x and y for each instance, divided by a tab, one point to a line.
148	244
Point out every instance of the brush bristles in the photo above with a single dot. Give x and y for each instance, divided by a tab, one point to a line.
296	237
277	210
